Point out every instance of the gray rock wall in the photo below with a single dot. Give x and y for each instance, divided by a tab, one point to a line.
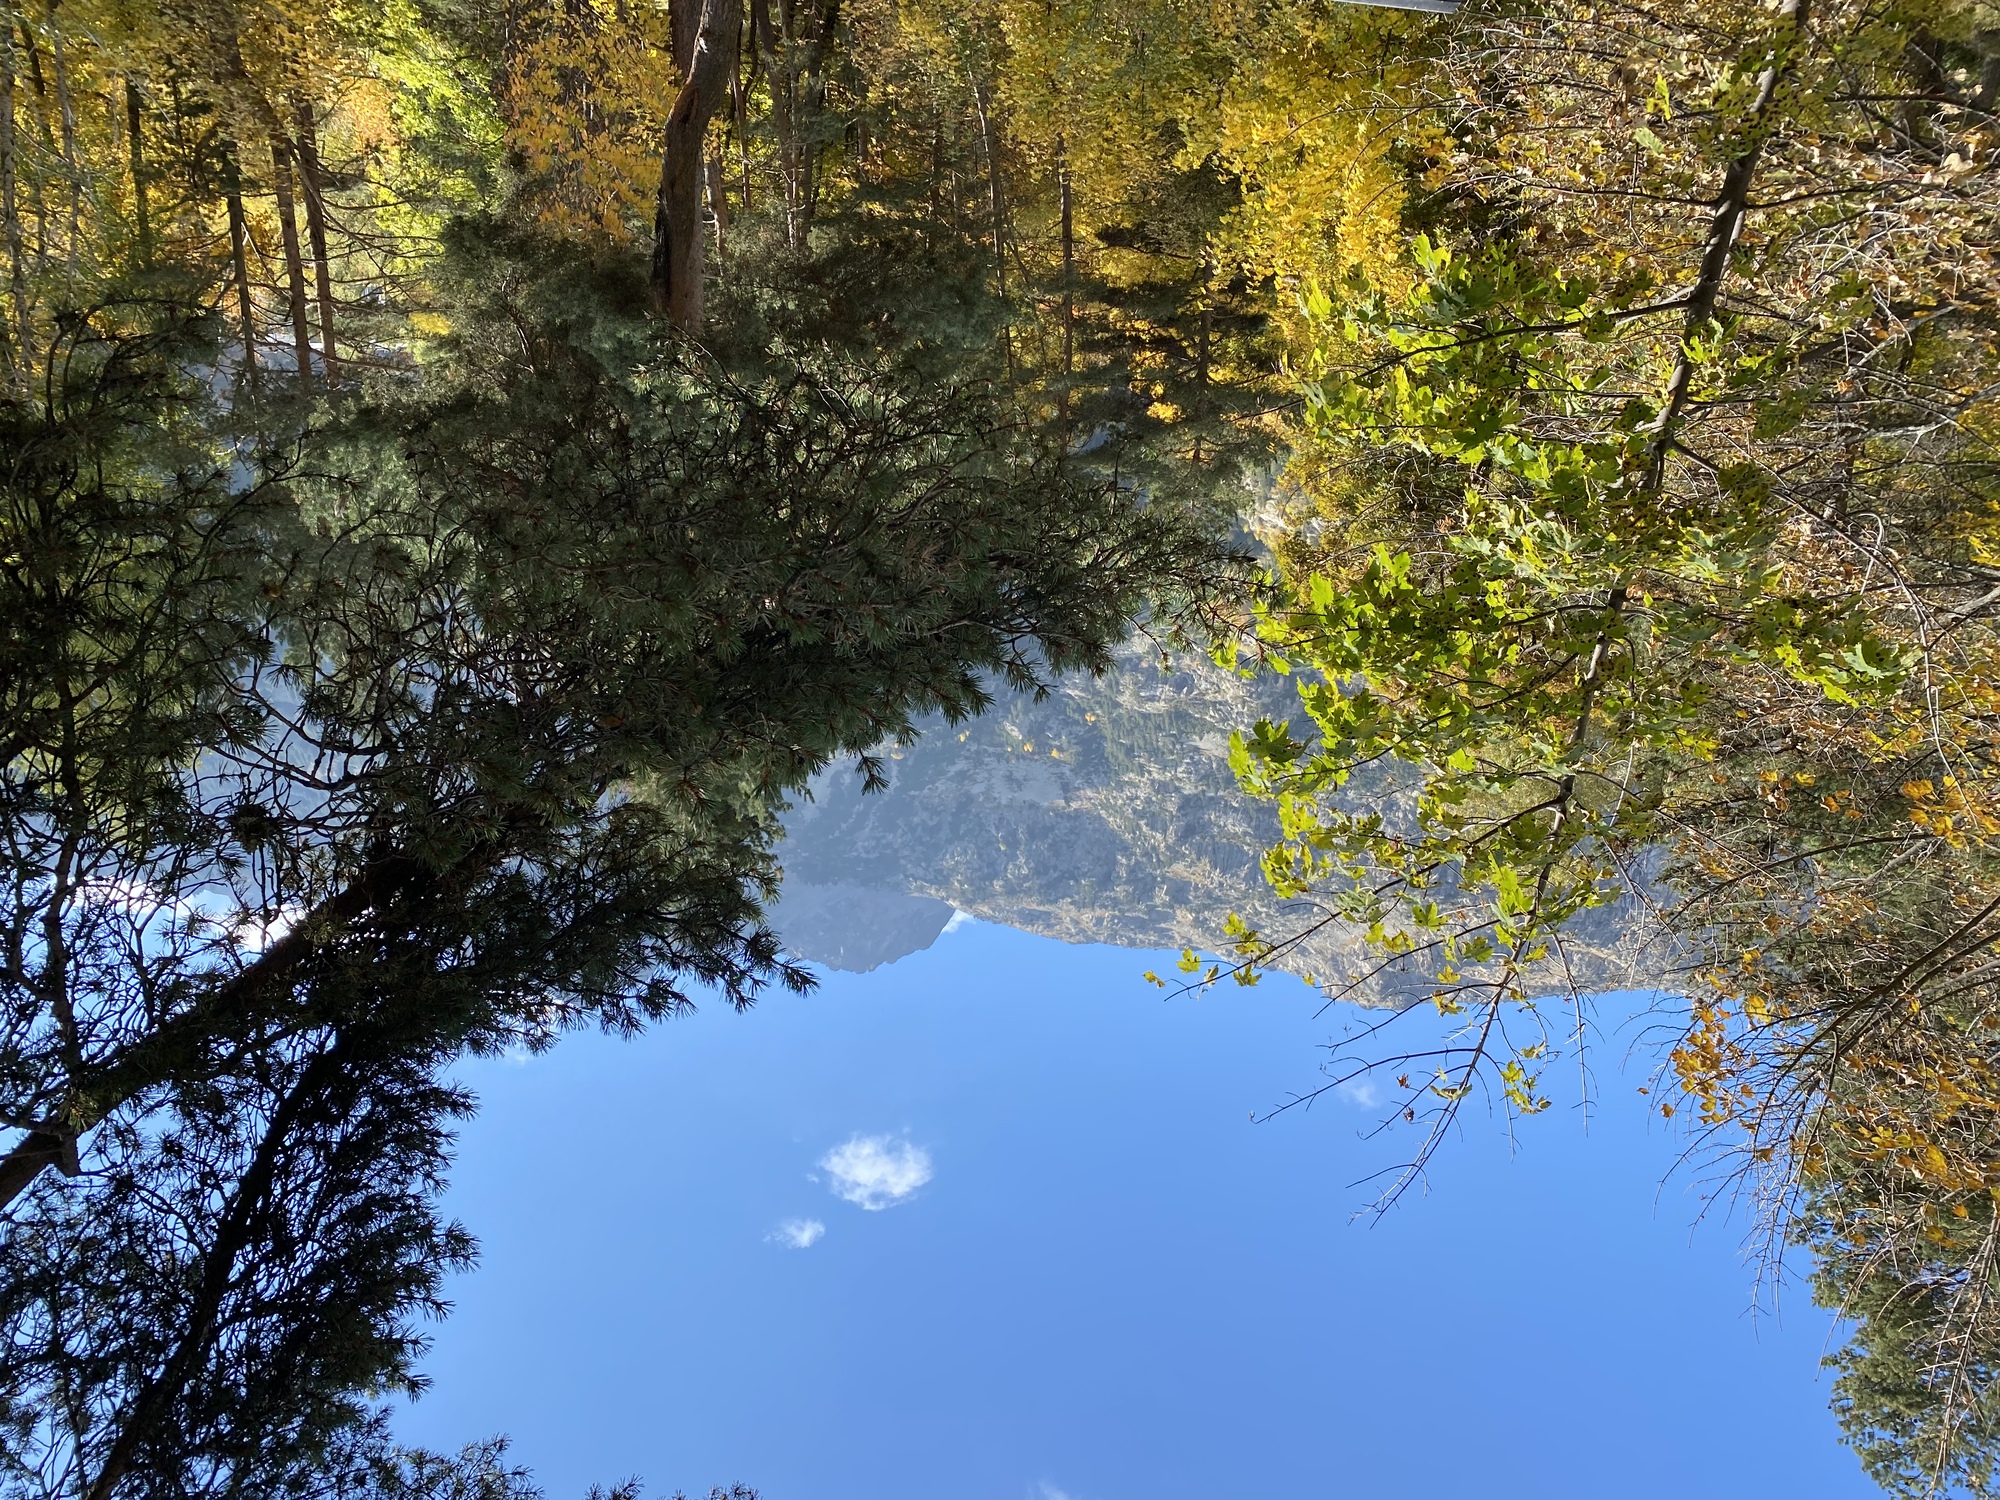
1105	813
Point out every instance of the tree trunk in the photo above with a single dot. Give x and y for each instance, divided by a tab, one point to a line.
31	1156
778	79
989	131
934	205
1068	279
135	136
677	257
811	104
21	346
295	267
239	265
237	1231
683	30
35	76
1205	339
309	177
739	99
718	199
270	999
1732	203
71	168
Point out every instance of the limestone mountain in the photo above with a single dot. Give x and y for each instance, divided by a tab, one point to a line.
1105	812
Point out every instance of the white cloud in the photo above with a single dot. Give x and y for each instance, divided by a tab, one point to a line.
876	1171
797	1234
1050	1492
1364	1092
959	919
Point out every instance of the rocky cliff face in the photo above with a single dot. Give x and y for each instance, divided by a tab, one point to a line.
1105	813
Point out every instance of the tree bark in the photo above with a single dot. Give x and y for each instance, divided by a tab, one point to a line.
776	56
21	346
67	111
239	268
1205	339
934	203
739	100
683	31
989	131
40	82
1731	203
135	135
1068	279
677	257
295	268
315	193
34	1154
811	104
718	199
239	1230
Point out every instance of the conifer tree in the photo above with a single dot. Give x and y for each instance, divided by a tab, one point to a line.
349	727
505	676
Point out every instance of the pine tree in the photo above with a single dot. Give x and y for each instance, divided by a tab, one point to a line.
493	683
348	727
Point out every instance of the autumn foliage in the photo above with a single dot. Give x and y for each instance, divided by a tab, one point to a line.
1644	505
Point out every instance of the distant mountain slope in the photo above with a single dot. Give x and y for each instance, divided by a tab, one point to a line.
1106	813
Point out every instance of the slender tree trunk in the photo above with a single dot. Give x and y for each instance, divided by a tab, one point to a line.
989	131
36	77
135	136
785	111
739	99
1731	204
21	346
718	200
177	116
315	193
677	257
295	266
236	1232
935	204
1205	342
777	58
1068	278
67	113
239	264
812	104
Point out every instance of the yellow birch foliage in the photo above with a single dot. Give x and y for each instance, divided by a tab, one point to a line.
584	99
1309	121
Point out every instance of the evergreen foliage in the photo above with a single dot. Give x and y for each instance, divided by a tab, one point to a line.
348	734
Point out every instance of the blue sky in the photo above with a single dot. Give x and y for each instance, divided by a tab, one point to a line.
1068	1266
